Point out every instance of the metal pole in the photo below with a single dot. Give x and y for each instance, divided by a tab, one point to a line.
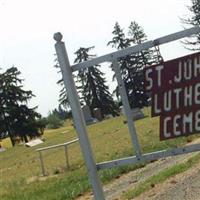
42	163
66	156
57	145
127	109
78	117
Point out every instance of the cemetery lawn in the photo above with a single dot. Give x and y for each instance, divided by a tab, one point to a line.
20	173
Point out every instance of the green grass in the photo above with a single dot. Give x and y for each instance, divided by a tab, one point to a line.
161	177
20	168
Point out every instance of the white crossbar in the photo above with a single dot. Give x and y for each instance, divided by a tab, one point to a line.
57	145
149	157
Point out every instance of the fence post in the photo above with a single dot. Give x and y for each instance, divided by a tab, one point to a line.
66	156
78	118
42	163
127	109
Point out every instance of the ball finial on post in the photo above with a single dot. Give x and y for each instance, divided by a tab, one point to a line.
58	37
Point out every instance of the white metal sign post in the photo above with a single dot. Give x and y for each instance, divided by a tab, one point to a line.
127	109
79	121
78	117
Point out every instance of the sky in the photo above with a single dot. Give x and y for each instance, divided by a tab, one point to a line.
27	28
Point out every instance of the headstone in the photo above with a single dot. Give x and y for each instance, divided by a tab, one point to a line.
122	110
87	115
2	149
137	114
33	143
97	114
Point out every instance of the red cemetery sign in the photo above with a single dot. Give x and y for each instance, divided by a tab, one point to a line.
175	92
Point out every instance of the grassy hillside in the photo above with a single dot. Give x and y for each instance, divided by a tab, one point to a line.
20	173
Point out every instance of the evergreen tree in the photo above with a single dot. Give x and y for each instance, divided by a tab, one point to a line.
132	66
134	82
16	118
82	76
41	123
92	88
193	20
63	99
53	120
119	41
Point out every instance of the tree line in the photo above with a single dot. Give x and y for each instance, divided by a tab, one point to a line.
18	120
91	83
92	88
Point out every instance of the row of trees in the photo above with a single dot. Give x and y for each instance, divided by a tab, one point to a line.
92	88
91	83
132	66
56	118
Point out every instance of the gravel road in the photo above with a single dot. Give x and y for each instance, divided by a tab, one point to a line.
184	186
